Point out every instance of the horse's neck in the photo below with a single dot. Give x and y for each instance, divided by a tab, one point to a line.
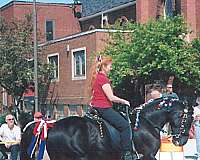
157	118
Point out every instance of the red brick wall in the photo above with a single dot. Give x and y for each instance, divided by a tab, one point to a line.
65	22
198	17
7	13
190	14
145	10
74	91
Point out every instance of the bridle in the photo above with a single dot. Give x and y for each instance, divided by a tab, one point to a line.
165	104
183	123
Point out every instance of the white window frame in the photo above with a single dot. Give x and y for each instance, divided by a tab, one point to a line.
73	69
46	29
51	55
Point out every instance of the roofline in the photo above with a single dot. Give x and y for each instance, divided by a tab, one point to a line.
107	11
82	34
29	2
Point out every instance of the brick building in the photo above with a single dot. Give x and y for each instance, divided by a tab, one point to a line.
69	42
52	19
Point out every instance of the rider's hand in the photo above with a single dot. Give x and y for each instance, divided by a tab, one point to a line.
126	102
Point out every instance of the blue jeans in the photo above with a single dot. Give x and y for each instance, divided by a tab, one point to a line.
14	149
120	123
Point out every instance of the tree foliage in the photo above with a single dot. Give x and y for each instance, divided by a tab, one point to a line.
16	57
142	49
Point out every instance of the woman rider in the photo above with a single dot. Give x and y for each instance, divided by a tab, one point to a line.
102	98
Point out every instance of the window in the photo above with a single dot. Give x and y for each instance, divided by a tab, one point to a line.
49	30
79	64
54	60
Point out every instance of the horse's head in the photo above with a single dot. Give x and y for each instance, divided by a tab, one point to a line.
180	119
177	113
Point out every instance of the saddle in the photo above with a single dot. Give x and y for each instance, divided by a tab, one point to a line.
114	134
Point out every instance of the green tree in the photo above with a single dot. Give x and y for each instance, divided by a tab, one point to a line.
157	46
16	58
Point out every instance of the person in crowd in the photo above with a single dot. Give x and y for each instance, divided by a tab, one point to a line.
169	92
102	98
153	94
37	116
197	126
197	134
10	135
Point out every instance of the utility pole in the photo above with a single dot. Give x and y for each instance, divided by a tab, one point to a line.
35	55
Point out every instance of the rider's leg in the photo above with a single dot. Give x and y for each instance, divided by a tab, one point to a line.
14	151
3	151
119	122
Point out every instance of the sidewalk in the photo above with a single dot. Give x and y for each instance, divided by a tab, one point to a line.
188	153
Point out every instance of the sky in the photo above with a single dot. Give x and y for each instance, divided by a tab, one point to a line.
3	2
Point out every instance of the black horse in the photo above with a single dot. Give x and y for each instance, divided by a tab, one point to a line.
76	138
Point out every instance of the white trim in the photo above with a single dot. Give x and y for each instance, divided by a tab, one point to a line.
51	55
72	55
107	11
83	34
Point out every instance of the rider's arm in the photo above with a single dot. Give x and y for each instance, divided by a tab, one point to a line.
109	93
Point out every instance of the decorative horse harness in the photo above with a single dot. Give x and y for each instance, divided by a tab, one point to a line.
165	103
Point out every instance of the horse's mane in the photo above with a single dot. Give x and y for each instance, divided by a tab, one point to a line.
151	106
160	102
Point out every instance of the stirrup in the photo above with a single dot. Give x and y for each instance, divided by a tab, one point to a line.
131	156
138	155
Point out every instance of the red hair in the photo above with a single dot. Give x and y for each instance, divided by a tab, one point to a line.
100	62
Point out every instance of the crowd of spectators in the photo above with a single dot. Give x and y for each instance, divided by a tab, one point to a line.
10	136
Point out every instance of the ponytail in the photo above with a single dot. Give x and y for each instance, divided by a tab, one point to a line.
97	67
